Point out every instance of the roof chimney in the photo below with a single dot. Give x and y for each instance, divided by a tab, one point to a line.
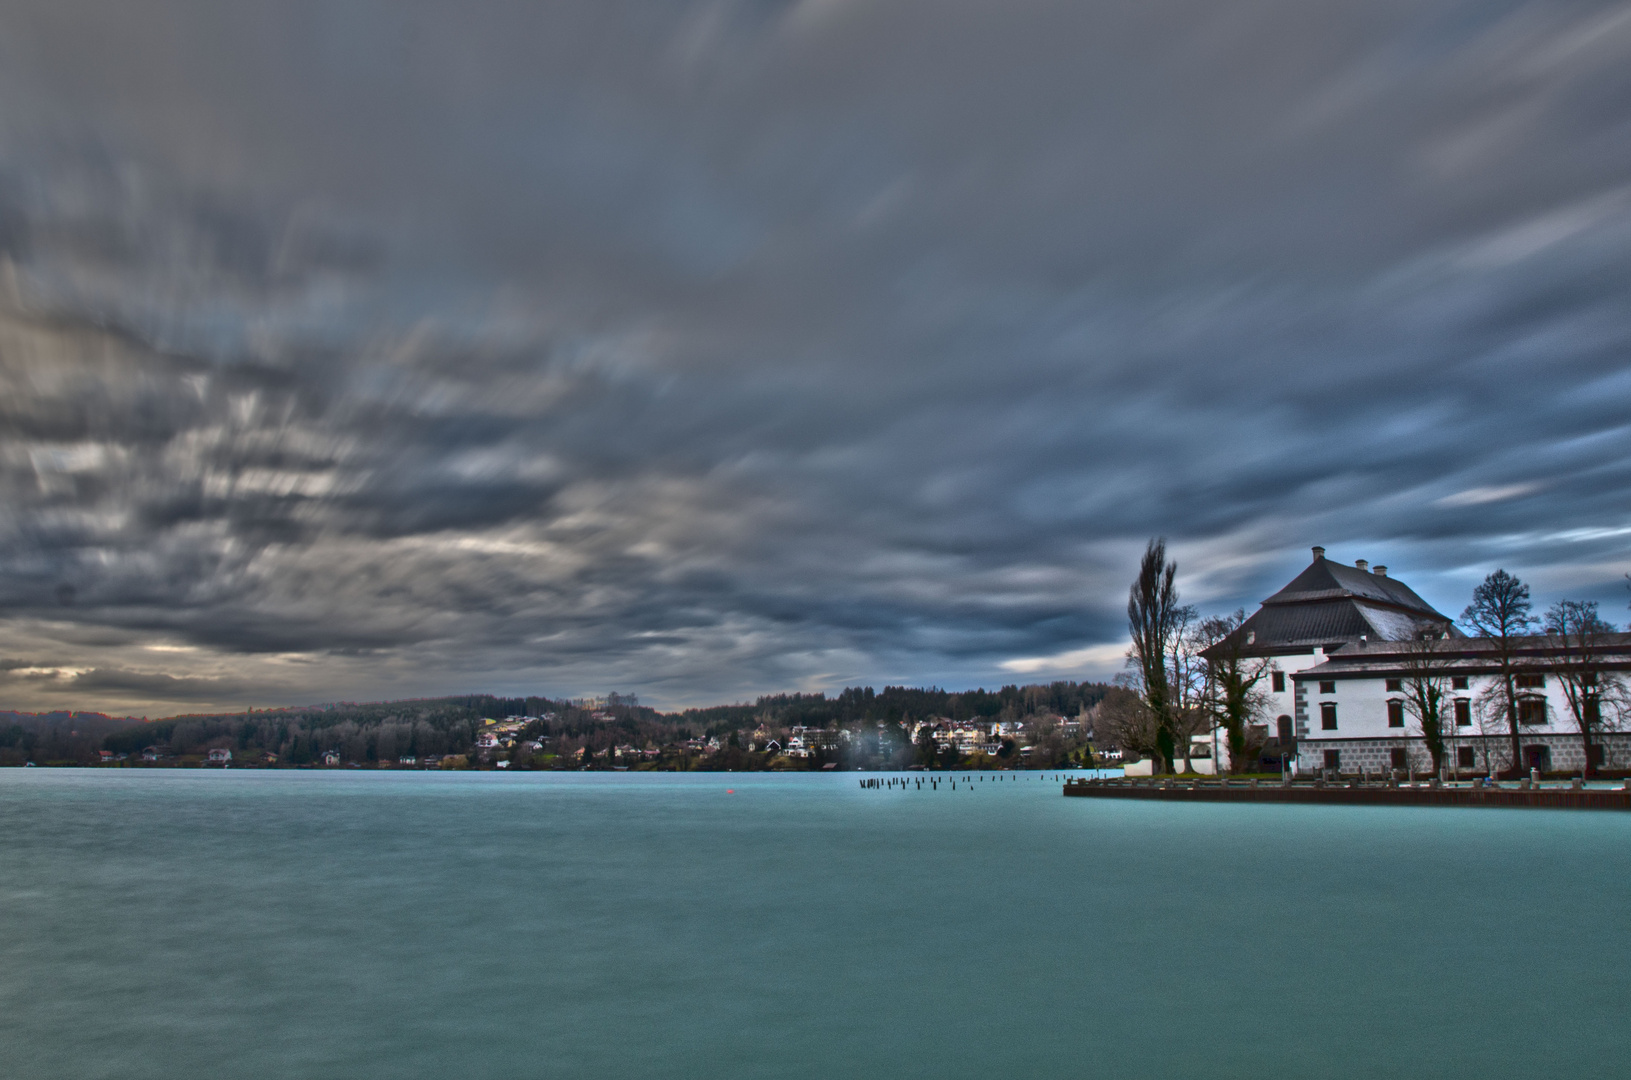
1380	571
1319	553
1360	564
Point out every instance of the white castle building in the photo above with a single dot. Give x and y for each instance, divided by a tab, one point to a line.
1342	642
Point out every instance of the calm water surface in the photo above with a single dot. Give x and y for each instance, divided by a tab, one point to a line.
183	924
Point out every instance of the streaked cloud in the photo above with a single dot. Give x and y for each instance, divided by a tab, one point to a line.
1101	661
1479	496
707	349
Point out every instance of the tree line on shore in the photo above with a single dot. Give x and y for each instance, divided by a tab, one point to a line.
860	727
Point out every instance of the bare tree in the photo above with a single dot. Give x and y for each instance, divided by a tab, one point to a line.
1186	668
1232	695
1187	671
1492	728
1596	695
1186	724
1124	719
1153	615
1427	692
1500	611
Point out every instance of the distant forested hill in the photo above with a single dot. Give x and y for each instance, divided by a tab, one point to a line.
365	732
548	733
56	737
900	703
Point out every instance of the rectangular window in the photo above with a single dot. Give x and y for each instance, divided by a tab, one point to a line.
1328	715
1531	710
1401	758
1333	760
1464	758
1395	714
1279	682
1458	682
1328	687
1463	712
1395	685
1531	682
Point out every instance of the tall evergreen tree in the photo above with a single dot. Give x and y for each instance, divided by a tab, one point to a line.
1152	616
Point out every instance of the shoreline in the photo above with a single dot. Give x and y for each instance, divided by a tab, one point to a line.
1519	795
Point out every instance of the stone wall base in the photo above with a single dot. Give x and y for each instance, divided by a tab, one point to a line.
1491	753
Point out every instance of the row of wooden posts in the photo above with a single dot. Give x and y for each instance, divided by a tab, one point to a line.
933	780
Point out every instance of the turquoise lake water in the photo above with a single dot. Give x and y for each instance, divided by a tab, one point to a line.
183	924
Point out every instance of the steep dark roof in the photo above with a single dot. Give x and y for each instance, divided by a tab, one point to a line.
1326	579
1330	603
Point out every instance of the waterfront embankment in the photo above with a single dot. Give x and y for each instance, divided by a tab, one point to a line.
1565	796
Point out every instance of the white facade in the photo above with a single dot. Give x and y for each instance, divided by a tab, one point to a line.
1281	693
1340	641
1353	715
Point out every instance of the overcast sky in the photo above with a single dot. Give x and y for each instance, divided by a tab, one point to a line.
703	350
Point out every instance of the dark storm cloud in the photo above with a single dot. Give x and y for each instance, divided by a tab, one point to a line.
66	685
706	349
